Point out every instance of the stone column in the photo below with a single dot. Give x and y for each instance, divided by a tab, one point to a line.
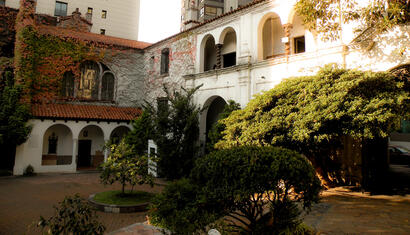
218	56
75	150
287	28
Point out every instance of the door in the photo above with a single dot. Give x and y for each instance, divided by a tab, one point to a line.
84	153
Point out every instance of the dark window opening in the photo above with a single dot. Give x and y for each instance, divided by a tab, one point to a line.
165	61
102	31
61	9
107	89
229	59
163	106
299	44
52	144
90	11
67	88
2	2
104	14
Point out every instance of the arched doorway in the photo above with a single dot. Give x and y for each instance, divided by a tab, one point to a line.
57	146
90	147
118	134
212	116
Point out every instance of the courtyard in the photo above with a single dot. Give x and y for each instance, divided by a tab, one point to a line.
341	211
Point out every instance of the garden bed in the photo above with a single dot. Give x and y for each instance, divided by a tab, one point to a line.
114	202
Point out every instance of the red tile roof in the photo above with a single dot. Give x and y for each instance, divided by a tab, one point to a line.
91	37
84	112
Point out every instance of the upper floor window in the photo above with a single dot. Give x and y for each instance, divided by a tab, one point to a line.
61	9
107	87
210	10
102	31
67	88
165	61
299	44
2	2
104	14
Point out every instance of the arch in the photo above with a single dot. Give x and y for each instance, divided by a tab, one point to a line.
90	146
270	34
208	53
228	39
118	133
297	35
57	145
215	107
67	84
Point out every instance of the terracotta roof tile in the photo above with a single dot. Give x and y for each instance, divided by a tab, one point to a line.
91	37
84	112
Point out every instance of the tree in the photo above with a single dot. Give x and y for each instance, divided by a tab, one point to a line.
311	114
215	134
125	167
176	132
257	190
73	216
14	116
326	16
141	132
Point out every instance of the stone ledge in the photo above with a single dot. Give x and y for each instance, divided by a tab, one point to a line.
108	208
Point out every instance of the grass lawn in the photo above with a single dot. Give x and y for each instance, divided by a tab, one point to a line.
115	197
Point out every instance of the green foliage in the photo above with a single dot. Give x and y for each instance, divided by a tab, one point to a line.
243	182
176	133
215	134
13	118
29	171
141	132
301	113
125	167
261	188
180	209
73	216
326	16
118	198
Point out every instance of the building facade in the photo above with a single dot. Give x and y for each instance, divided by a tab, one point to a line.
240	53
118	18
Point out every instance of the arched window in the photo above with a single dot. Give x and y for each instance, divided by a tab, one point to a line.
107	87
270	34
228	51
165	61
89	81
67	86
209	54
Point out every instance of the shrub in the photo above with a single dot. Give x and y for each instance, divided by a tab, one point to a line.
125	167
257	190
179	208
73	216
245	181
29	171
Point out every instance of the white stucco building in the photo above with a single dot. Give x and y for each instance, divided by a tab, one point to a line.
118	18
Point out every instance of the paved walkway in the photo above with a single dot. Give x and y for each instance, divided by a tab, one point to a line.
23	200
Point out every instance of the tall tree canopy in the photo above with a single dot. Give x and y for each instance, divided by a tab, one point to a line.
326	16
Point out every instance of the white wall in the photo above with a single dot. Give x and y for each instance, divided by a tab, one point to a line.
64	143
122	15
30	153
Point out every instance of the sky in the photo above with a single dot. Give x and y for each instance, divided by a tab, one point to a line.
159	19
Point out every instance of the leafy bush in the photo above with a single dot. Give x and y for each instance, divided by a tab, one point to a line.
245	181
29	171
312	114
179	208
258	190
125	167
73	216
176	133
